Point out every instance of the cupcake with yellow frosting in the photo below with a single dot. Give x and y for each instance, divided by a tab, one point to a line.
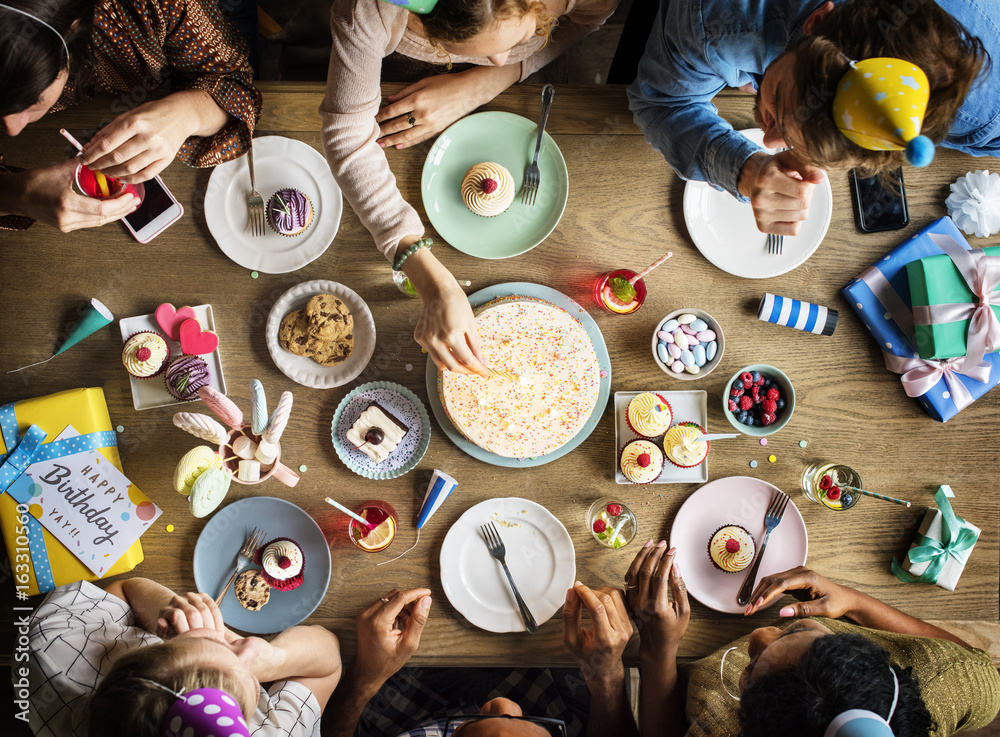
145	354
683	445
731	548
641	462
488	189
649	415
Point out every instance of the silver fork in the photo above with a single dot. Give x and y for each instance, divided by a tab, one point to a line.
771	520
775	244
255	203
244	559
532	176
499	551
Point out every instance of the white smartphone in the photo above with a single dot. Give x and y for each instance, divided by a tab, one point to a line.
159	210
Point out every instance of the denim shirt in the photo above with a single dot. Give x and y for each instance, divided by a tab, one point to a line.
698	47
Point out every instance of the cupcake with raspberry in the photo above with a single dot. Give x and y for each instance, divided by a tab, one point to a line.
649	415
683	445
731	548
488	189
282	562
185	376
145	354
641	461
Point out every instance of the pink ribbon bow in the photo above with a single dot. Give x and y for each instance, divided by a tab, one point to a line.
920	376
982	274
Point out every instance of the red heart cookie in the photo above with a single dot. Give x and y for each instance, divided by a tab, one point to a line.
195	341
170	319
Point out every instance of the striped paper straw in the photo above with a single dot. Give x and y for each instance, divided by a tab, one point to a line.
893	499
649	268
368	525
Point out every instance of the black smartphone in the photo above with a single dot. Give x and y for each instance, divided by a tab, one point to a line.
879	206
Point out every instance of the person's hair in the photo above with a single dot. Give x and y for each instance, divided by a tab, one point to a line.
836	673
918	31
126	706
31	57
460	20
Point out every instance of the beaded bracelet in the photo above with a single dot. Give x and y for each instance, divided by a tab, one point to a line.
409	250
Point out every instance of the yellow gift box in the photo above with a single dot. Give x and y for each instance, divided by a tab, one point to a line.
87	411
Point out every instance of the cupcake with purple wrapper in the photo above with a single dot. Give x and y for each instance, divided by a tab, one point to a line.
289	212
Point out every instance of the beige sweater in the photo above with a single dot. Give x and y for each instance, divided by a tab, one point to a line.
365	31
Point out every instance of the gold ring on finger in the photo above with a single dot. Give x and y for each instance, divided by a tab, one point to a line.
411	120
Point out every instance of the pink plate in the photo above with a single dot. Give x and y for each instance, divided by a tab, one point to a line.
737	500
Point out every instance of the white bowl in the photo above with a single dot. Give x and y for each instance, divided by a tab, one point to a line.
713	325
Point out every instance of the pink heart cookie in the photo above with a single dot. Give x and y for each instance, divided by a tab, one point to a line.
170	319
195	341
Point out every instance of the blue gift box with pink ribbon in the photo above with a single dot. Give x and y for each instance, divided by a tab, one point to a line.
880	296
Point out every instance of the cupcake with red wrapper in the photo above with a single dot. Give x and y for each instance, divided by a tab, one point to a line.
641	461
185	376
145	354
731	548
683	446
282	562
289	212
649	415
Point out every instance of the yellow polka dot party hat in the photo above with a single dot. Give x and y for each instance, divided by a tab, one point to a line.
880	105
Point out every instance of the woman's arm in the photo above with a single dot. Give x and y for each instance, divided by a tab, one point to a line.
820	597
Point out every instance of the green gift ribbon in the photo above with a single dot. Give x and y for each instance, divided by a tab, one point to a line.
957	540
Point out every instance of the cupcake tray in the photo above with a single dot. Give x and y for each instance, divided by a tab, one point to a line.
151	393
689	406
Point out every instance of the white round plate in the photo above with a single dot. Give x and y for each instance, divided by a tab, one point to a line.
540	556
736	500
279	162
304	370
724	230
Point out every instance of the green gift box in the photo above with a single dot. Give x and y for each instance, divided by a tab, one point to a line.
944	303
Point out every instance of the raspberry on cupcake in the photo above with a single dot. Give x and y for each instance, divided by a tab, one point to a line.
283	563
731	548
649	415
145	354
641	462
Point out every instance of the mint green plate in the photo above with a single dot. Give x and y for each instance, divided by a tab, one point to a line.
509	140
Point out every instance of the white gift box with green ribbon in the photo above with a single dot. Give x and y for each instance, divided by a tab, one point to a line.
942	546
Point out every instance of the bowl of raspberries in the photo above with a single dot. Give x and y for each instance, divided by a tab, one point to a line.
758	400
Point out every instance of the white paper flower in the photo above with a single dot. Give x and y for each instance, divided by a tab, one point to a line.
974	203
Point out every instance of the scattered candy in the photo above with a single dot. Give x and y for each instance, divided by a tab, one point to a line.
803	443
753	464
409	367
254	274
772	458
120	429
170	528
303	468
763	441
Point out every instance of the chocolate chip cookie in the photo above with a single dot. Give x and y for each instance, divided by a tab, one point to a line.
329	317
252	590
297	336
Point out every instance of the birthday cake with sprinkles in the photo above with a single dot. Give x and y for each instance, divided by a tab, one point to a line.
546	382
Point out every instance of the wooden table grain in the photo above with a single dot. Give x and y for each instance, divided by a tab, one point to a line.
624	210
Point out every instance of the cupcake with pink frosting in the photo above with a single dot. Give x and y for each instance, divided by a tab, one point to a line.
289	212
282	562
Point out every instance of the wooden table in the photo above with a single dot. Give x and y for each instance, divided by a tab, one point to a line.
624	210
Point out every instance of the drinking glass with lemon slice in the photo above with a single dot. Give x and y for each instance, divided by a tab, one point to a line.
382	518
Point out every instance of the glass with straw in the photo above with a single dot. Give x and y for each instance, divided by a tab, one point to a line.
622	292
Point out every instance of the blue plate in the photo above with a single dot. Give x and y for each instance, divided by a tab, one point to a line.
538	291
215	558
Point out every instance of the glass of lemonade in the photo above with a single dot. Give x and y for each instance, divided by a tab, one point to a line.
825	483
380	514
612	522
606	299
